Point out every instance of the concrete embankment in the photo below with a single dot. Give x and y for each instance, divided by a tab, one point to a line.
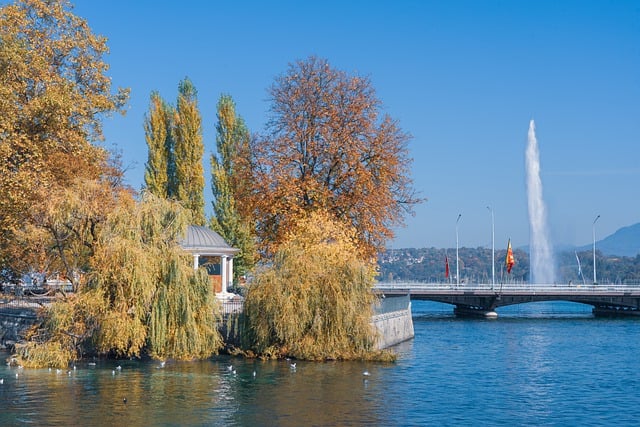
13	324
393	320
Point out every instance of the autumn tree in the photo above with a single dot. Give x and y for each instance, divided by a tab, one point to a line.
189	151
54	92
229	185
314	301
329	147
159	173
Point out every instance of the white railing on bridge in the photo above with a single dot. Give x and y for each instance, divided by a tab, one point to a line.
506	287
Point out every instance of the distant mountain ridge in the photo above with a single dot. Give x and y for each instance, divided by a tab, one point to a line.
624	242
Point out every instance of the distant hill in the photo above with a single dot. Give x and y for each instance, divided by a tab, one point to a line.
624	242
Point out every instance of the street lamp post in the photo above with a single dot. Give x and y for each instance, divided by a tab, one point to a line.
457	258
595	280
493	249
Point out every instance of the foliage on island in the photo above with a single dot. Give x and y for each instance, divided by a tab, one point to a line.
320	193
140	297
231	186
315	300
174	139
53	95
330	147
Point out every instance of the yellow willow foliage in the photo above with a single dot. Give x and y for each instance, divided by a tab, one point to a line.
156	296
59	339
315	301
182	324
142	295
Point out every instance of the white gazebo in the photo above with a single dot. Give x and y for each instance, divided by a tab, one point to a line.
210	251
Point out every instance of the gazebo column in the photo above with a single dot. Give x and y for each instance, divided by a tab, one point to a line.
230	282
196	260
224	273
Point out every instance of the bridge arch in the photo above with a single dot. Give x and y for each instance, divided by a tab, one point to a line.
482	299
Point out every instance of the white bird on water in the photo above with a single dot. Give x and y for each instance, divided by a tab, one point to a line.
1	380
162	364
366	373
293	366
118	368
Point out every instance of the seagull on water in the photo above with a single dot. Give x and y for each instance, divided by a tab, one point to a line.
118	368
1	380
366	373
293	366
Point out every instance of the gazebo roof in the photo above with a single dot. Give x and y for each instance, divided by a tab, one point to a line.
204	241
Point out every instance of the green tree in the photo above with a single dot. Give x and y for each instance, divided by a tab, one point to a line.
227	182
314	301
189	151
160	168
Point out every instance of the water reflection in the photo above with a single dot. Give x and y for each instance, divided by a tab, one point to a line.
562	368
198	393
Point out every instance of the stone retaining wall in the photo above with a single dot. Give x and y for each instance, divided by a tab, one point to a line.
13	324
393	321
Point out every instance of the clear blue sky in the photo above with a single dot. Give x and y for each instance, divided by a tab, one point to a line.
463	77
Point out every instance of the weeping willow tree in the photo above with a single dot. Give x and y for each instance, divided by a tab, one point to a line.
142	296
315	300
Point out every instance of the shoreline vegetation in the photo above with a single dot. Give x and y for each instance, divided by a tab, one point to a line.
308	203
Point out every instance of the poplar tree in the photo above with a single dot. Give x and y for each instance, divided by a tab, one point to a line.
227	183
189	151
159	170
174	138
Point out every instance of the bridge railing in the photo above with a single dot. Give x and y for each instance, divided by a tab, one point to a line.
506	287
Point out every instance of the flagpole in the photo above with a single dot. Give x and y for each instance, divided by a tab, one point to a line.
595	281
493	249
457	258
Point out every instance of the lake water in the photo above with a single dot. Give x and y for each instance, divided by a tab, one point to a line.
546	364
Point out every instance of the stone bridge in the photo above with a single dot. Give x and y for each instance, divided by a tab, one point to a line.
483	299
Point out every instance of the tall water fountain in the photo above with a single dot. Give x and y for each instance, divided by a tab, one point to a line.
540	249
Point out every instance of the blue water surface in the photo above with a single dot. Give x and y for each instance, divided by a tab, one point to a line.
542	364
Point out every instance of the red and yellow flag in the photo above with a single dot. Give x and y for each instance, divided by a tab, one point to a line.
446	267
510	261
